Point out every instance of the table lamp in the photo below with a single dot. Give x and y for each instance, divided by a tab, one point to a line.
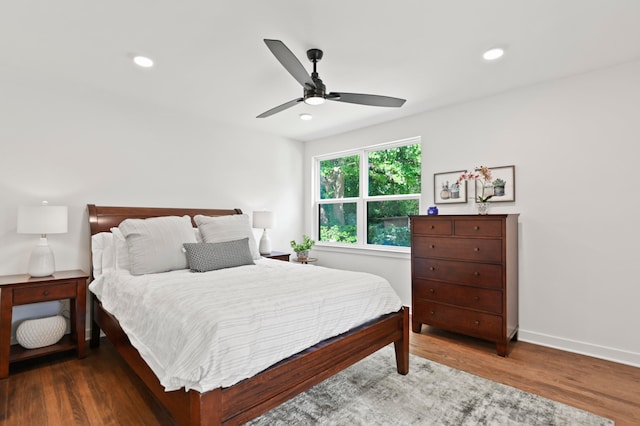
264	220
43	220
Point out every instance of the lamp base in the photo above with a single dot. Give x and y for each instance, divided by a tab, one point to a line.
265	243
41	263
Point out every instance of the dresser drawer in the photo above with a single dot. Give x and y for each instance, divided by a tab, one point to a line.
484	250
459	320
469	273
478	228
42	293
432	226
466	297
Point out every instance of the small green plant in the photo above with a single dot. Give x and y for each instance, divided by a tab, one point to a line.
306	244
499	182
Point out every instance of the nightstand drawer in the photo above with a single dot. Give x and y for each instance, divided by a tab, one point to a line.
42	293
474	298
486	275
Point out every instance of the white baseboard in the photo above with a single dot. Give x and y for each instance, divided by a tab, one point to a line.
589	349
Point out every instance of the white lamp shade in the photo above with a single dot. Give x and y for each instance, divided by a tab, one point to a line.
263	219
42	220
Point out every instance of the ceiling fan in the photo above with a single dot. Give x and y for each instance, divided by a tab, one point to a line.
314	91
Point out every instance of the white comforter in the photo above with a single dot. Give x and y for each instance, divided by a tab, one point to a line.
207	330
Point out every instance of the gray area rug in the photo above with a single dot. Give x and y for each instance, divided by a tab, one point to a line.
371	392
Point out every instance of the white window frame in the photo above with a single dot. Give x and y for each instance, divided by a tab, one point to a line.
361	200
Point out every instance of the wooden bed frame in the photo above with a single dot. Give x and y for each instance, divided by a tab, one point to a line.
256	395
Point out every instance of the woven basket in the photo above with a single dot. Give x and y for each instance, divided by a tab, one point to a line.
37	333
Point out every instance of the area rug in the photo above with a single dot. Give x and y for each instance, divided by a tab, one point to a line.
371	392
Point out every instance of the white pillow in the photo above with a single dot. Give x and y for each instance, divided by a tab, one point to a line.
155	244
121	250
218	229
102	253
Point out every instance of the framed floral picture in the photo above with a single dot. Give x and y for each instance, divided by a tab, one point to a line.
446	190
502	187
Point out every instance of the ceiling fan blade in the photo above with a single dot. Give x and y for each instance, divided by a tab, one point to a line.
280	108
290	62
360	98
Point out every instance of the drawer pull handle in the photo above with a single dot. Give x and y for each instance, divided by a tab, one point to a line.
476	322
476	298
476	273
433	246
433	313
46	292
433	227
431	268
476	249
431	290
477	228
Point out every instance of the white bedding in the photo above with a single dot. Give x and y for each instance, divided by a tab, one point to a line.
207	330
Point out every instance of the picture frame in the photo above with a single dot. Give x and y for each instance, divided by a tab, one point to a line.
444	188
508	175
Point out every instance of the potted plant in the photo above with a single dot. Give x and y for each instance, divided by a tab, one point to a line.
302	249
498	187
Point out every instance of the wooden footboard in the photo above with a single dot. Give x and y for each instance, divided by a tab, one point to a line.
252	397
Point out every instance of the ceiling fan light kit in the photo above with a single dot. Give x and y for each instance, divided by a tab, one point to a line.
314	90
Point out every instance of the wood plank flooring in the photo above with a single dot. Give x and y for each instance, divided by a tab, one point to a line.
101	390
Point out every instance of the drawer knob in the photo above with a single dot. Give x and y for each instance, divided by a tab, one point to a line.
431	290
476	273
476	249
433	313
46	292
433	227
477	228
431	268
476	298
476	322
433	246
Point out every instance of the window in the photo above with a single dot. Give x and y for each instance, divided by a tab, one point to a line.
365	197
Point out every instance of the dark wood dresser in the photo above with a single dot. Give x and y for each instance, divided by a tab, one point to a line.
464	273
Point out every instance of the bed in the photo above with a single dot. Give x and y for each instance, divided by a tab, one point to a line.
255	395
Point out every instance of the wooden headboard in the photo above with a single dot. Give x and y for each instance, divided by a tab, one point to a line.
103	218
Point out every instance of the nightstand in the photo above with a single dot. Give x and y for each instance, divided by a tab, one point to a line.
24	289
277	255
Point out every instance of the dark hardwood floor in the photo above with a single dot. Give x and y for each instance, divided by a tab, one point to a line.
101	390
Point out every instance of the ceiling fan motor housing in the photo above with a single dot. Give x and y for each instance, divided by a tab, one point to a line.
315	92
314	55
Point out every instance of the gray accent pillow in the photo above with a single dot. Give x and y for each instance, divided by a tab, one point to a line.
218	229
155	244
203	257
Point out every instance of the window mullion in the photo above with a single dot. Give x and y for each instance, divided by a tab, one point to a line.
364	193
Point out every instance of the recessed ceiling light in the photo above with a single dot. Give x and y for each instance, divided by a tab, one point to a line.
493	54
306	116
143	61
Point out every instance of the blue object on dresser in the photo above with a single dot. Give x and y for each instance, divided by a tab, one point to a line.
432	211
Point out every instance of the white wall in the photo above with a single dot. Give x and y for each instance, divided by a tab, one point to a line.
574	143
73	146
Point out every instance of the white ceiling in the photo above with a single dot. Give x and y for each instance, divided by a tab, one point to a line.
211	60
